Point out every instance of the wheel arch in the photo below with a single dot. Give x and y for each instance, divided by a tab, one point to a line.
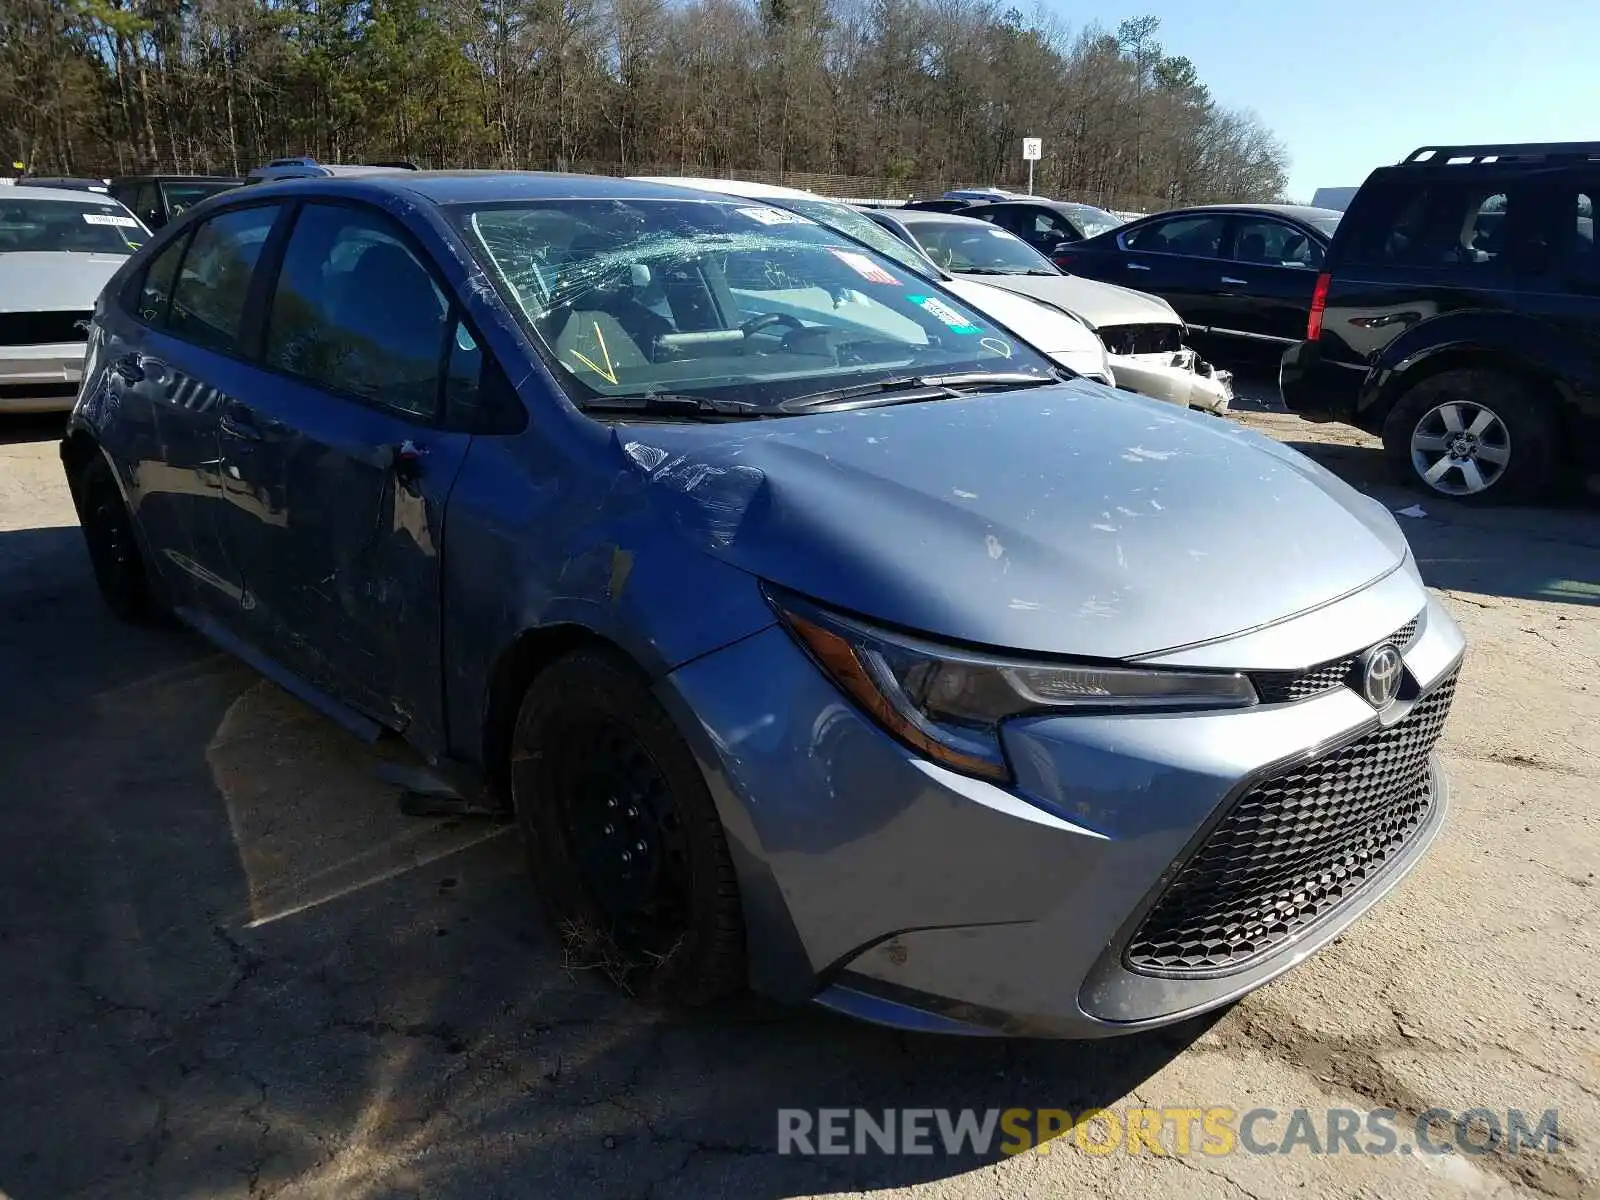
1407	363
515	668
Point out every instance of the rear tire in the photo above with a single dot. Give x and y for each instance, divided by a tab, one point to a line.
627	851
114	553
1476	435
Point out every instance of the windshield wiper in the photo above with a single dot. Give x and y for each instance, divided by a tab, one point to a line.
906	389
672	404
980	271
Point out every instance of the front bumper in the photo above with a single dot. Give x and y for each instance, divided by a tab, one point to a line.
880	884
40	378
1180	378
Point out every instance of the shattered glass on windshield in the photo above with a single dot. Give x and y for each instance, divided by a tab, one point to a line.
733	302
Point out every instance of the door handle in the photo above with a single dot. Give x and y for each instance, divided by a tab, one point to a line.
128	368
1229	279
237	422
1133	266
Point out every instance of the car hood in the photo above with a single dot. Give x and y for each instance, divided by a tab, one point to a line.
1068	519
48	281
1041	327
1098	303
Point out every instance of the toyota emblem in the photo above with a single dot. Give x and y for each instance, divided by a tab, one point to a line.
1380	676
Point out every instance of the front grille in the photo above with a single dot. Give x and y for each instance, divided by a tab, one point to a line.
38	391
1285	687
43	328
1293	848
1142	339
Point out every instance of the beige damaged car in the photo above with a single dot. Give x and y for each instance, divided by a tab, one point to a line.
1143	335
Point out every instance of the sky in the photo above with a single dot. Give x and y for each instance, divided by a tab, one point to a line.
1349	85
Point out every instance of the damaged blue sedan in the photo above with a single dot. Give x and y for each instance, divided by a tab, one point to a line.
823	637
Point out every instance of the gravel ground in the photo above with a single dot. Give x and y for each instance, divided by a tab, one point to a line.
233	968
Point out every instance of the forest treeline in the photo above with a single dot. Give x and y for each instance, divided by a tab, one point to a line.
911	94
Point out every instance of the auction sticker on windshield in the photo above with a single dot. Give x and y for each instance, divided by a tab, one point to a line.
864	266
775	216
938	309
110	219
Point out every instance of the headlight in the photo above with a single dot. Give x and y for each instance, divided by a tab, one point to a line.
950	703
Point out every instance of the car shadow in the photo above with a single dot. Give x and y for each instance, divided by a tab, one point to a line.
1547	552
31	427
235	964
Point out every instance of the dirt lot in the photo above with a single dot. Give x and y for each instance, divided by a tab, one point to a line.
233	967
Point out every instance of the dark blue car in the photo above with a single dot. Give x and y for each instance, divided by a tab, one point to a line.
821	635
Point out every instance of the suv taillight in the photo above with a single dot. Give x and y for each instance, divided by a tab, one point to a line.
1319	301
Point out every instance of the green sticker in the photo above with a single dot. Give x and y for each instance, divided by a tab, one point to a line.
940	311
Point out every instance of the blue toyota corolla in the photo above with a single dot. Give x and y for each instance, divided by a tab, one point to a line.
822	636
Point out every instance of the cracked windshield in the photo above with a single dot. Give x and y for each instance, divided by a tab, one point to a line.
738	302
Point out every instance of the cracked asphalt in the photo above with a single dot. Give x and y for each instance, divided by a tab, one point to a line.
233	968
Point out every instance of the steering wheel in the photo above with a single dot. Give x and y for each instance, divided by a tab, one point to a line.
756	324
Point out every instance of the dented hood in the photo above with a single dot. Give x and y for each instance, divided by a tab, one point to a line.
1064	520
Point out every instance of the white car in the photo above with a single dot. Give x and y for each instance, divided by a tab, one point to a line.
1060	334
57	250
1143	334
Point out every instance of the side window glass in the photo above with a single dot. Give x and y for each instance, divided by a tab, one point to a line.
1274	244
155	290
1197	236
1451	224
477	395
208	301
1585	255
355	311
146	205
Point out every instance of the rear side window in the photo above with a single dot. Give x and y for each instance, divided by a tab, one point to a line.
1197	236
1441	224
1585	255
356	312
1274	244
155	290
214	282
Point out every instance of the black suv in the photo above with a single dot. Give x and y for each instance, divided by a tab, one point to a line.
1458	315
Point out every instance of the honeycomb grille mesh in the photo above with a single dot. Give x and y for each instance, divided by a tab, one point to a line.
1285	687
1293	848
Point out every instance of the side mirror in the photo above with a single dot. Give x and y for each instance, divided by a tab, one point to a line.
1061	248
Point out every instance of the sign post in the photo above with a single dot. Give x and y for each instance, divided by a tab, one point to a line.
1031	151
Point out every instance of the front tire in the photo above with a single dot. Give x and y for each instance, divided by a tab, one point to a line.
113	546
1474	434
623	839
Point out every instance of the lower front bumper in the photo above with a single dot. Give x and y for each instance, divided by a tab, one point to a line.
37	379
1180	378
882	885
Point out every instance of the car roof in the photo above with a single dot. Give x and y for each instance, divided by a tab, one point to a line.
467	187
1302	212
923	216
66	195
731	187
120	179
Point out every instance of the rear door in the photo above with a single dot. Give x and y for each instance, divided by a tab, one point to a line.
1178	258
1265	286
1561	282
342	441
186	363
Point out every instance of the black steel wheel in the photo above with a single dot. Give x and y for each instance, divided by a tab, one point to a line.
623	839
